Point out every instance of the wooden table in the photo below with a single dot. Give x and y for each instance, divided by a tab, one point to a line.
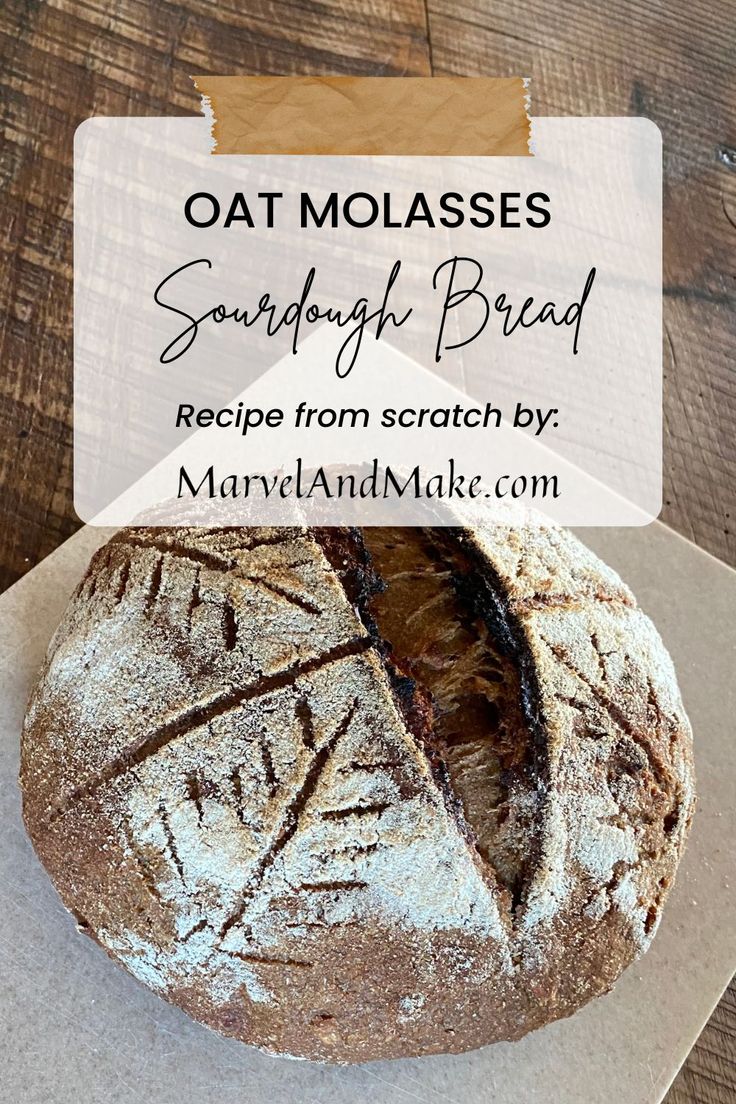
673	62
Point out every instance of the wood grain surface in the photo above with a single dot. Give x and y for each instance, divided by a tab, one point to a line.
673	62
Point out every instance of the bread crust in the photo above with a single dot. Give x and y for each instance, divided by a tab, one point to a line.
235	791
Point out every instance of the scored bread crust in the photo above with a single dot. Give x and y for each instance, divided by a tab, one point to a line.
236	793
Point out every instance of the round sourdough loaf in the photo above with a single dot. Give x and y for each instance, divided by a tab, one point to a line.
347	795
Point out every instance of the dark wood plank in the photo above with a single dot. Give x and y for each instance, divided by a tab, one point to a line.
673	62
61	64
708	1076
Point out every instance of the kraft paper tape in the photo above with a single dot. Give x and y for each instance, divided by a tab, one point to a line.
403	116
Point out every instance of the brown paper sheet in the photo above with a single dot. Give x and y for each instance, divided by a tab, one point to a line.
403	116
78	1030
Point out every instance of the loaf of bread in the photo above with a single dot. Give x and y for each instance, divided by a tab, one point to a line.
351	794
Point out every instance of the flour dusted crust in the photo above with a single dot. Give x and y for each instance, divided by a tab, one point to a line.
236	792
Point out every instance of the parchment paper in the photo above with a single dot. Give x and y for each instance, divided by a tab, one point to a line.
76	1029
466	116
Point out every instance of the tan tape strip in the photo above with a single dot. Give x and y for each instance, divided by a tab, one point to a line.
465	116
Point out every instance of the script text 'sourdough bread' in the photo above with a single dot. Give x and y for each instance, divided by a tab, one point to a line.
356	794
